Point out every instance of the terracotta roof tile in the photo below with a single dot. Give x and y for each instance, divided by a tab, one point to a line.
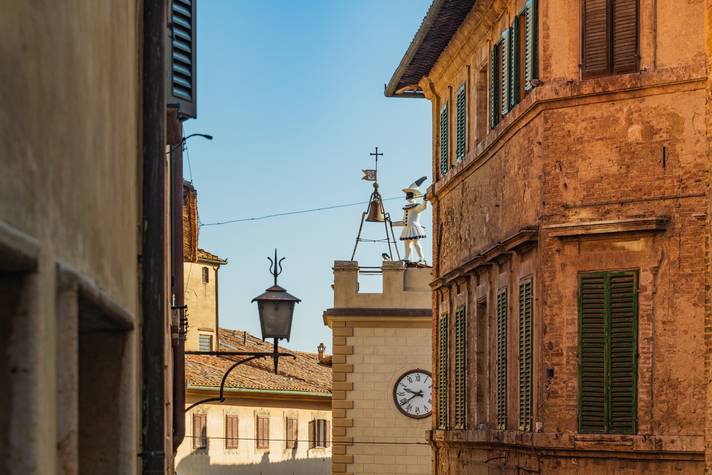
204	255
303	373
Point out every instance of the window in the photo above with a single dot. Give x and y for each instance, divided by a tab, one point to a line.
318	433
610	37
501	364
608	329
461	125
206	275
481	98
444	150
525	355
231	431
262	432
460	368
442	372
181	80
505	70
200	436
205	342
292	432
482	362
514	63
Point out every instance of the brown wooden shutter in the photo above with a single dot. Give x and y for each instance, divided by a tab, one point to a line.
312	434
231	431
263	432
625	36
327	433
596	38
200	440
291	433
501	362
526	388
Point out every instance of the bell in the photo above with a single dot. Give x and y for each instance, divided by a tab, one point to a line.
375	212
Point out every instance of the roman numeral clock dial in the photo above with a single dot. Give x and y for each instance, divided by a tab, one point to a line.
413	394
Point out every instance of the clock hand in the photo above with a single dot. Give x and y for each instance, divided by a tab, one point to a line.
410	391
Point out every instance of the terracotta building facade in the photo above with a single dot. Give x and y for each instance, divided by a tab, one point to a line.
569	204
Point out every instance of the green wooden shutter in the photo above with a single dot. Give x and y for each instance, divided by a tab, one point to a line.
182	57
505	69
622	327
444	164
461	125
494	86
608	352
525	355
501	364
531	67
460	368
592	348
515	56
442	372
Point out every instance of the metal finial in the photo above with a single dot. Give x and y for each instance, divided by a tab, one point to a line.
275	266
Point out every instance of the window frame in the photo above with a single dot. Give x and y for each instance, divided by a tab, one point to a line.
291	442
610	43
262	439
201	442
201	336
608	419
232	441
205	274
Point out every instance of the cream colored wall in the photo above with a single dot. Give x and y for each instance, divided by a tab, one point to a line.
402	287
201	301
69	134
384	440
247	459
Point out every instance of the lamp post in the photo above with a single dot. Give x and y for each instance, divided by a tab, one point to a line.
276	309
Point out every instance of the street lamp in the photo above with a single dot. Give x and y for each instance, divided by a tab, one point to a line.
276	308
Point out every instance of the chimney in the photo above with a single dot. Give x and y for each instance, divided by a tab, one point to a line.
320	349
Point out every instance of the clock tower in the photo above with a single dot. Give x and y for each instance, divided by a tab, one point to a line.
381	368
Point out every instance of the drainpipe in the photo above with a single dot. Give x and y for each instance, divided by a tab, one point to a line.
178	312
153	296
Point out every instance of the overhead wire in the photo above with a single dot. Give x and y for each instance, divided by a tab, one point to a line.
289	213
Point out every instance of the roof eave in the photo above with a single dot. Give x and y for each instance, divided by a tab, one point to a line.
391	87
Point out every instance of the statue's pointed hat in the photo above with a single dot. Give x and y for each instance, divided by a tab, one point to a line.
415	187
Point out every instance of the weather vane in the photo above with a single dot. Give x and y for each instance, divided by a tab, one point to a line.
375	213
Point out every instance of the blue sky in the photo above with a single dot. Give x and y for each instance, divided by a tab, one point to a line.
292	91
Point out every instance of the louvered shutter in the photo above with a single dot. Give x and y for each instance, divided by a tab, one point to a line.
231	431
506	69
608	345
592	350
444	159
623	352
312	434
442	372
461	123
515	57
501	365
525	355
596	42
182	58
494	86
460	368
531	44
327	433
625	36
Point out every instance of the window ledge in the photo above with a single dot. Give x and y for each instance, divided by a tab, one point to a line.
591	228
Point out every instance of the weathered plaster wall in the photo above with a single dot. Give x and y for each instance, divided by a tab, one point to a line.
69	134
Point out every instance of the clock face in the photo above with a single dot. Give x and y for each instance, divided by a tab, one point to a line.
413	394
